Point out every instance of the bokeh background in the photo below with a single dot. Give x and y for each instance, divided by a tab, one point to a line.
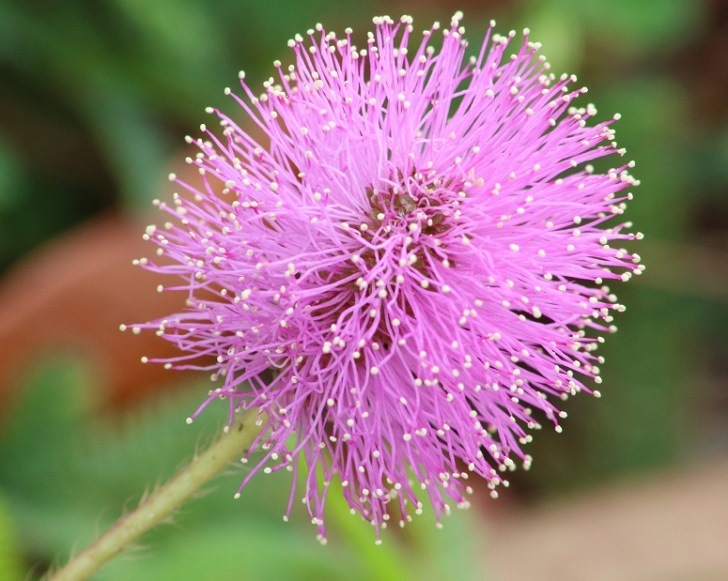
95	99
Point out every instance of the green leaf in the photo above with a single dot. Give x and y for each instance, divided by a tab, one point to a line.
628	25
237	548
131	138
10	562
560	33
455	547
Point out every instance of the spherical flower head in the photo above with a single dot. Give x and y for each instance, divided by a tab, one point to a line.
407	270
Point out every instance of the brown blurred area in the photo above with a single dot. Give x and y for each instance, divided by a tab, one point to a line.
71	296
671	525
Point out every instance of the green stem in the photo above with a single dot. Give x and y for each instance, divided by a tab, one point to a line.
157	507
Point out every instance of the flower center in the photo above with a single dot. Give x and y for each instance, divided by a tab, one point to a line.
409	223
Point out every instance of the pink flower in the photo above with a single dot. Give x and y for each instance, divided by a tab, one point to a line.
418	251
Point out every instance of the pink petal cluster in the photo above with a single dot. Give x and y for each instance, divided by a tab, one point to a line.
408	269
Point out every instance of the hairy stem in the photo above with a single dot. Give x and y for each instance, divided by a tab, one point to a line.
157	507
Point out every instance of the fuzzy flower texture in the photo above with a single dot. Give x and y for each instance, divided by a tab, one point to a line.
406	270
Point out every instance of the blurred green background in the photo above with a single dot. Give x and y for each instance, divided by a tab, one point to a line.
95	99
